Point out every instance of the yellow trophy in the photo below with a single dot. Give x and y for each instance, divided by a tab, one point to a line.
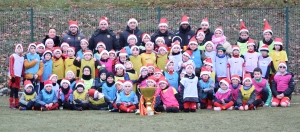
148	94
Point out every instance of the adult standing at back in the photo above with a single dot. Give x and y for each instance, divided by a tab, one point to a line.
73	36
105	35
52	35
163	32
205	27
131	28
185	32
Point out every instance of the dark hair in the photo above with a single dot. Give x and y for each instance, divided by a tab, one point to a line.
281	47
257	69
269	32
51	28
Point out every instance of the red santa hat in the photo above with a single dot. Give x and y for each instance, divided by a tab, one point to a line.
132	20
163	22
150	65
132	47
47	52
127	83
132	36
119	65
112	51
200	32
151	79
235	47
264	47
121	82
31	44
103	19
40	44
160	38
71	48
84	40
123	52
188	53
88	52
247	77
205	71
267	27
250	42
226	81
51	76
235	76
103	52
56	49
175	44
282	63
204	21
163	80
71	72
27	83
64	44
219	29
151	43
189	65
144	35
100	44
209	42
164	47
18	45
208	61
92	93
243	28
48	83
184	20
193	41
143	67
64	80
278	41
79	83
49	40
168	62
73	23
157	70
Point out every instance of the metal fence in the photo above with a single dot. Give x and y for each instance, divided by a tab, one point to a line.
23	26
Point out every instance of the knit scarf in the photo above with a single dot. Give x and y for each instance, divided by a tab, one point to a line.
269	42
65	90
222	56
242	40
221	91
219	40
235	87
247	87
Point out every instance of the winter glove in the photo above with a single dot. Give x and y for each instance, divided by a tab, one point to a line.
29	104
13	79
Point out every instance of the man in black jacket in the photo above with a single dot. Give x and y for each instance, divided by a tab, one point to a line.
185	32
205	27
163	32
132	28
73	36
105	35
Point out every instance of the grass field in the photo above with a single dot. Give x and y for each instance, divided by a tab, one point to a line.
263	119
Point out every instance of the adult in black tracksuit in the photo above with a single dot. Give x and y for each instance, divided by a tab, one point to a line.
165	34
73	36
52	34
185	33
132	28
104	34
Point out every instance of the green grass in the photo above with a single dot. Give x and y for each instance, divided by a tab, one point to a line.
263	119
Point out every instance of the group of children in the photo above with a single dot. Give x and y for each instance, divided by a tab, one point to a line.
210	75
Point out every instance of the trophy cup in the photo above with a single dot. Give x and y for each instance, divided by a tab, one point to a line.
148	93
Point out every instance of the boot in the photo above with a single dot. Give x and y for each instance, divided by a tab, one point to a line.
209	104
228	105
16	102
11	103
54	106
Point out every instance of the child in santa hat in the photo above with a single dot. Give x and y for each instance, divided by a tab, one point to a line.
65	97
247	98
127	99
250	57
209	52
162	56
236	63
265	61
70	76
190	91
221	64
55	84
105	62
142	77
47	98
278	54
186	59
171	75
220	38
122	57
47	62
131	40
267	37
86	61
69	61
151	81
145	38
175	54
136	59
235	88
151	69
113	58
80	97
16	70
99	48
159	41
40	47
49	44
208	64
120	72
84	43
243	38
197	55
283	86
149	56
158	74
200	40
64	48
100	80
207	86
206	29
87	77
28	96
131	74
262	87
223	99
119	89
58	65
109	89
97	100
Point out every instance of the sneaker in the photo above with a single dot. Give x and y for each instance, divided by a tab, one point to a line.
236	107
217	108
13	107
209	107
22	108
114	110
43	109
32	107
105	108
137	112
133	111
230	108
254	108
79	109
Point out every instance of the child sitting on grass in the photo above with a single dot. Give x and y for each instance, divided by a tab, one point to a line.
109	88
65	97
262	87
80	97
127	99
223	99
235	88
207	86
97	100
28	97
47	99
100	80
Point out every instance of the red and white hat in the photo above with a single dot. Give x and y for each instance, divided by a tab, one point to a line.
103	52
71	48
163	47
176	38
150	65
193	41
160	38
219	29
48	83
264	47
119	65
184	20
132	20
157	70
235	47
79	82
27	83
209	42
200	32
103	19
163	22
278	41
188	53
226	81
205	71
64	44
92	93
71	72
235	76
189	65
73	23
282	63
163	80
64	80
112	51
175	44
151	79
121	82
51	76
100	44
132	36
88	52
149	43
40	44
144	35
123	52
204	21
133	47
47	51
143	67
247	77
31	44
49	40
84	40
243	28
127	83
208	61
56	49
18	45
250	42
168	62
267	27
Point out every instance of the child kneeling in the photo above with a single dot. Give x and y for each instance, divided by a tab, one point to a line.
127	100
47	99
28	97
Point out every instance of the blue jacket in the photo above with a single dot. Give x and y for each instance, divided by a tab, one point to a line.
48	70
29	57
45	97
109	92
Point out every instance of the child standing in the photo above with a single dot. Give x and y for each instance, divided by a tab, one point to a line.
69	61
219	38
207	86
200	40
223	100
127	99
208	64
86	61
84	43
49	44
131	40
65	97
185	61
16	70
28	96
47	98
100	80
105	62
122	57
64	48
40	49
221	64
235	63
265	61
251	57
267	37
131	74
196	56
175	54
282	87
190	92
235	88
171	75
162	57
136	59
244	37
210	52
149	56
87	78
80	97
58	66
262	88
278	54
99	48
